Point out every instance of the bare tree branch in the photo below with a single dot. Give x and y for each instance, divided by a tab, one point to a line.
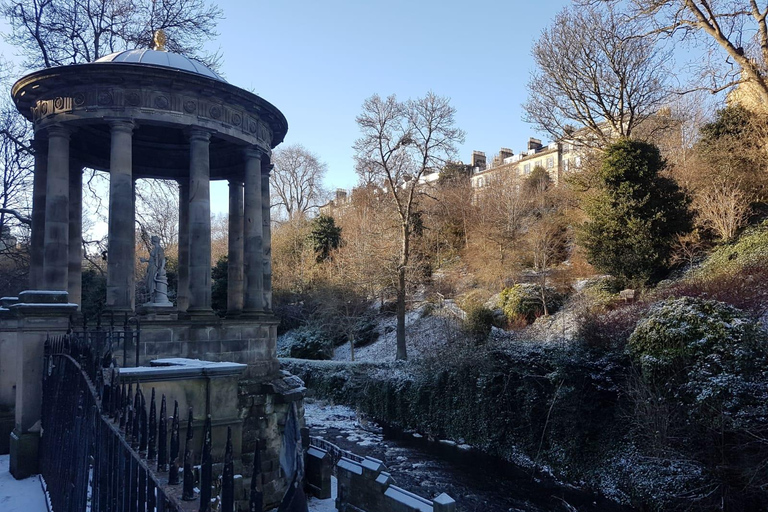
594	71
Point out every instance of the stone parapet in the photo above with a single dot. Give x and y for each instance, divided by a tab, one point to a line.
366	486
209	388
251	342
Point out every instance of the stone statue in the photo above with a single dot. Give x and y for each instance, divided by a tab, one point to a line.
156	280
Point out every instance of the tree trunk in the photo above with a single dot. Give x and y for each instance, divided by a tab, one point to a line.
402	353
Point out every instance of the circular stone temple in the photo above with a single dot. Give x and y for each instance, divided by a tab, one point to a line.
150	114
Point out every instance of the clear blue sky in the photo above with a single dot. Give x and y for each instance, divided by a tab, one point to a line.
318	61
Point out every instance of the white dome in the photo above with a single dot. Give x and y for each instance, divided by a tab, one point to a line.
161	59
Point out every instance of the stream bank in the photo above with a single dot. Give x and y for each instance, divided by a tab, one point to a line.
428	467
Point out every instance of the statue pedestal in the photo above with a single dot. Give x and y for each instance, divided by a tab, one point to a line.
153	311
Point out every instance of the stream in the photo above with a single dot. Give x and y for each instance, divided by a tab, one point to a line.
426	467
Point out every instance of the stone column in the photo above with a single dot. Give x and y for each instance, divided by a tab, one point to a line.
122	245
253	265
235	257
75	287
266	241
37	242
56	252
182	293
199	222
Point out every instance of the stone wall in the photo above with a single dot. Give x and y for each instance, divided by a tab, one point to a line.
264	407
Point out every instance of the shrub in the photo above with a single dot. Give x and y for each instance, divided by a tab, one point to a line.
610	329
478	322
695	339
602	291
703	364
366	331
307	343
523	302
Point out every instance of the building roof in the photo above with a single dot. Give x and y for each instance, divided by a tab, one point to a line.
161	59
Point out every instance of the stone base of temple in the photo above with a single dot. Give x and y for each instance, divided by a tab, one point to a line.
7	423
242	340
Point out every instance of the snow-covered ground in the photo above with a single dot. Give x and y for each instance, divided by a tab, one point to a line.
20	495
329	505
27	495
424	334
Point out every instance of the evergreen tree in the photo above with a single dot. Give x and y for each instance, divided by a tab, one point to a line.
220	283
325	236
635	214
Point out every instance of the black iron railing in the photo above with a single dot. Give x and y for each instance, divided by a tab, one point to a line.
117	335
104	448
334	451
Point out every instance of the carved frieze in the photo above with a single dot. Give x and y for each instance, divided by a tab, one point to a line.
162	102
133	99
105	98
238	122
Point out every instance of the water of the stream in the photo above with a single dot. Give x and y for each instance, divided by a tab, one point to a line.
477	482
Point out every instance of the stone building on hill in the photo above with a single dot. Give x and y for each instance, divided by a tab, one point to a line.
557	158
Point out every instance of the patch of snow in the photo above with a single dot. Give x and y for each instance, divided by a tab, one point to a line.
20	495
423	335
329	505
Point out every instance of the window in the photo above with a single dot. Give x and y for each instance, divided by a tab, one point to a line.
578	161
527	168
550	162
480	183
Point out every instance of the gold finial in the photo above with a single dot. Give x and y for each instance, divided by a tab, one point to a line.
160	40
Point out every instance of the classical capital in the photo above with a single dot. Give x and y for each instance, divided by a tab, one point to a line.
253	152
199	134
60	131
121	125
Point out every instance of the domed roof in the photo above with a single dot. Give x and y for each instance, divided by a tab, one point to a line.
161	59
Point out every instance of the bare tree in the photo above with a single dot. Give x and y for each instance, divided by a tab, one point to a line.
59	32
16	172
157	212
723	207
297	180
503	217
401	141
734	31
594	71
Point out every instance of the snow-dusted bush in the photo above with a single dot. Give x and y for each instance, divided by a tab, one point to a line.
701	350
523	302
478	322
305	343
704	378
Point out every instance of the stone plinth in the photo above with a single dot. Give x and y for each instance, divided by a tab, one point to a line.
36	315
8	357
265	407
251	342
